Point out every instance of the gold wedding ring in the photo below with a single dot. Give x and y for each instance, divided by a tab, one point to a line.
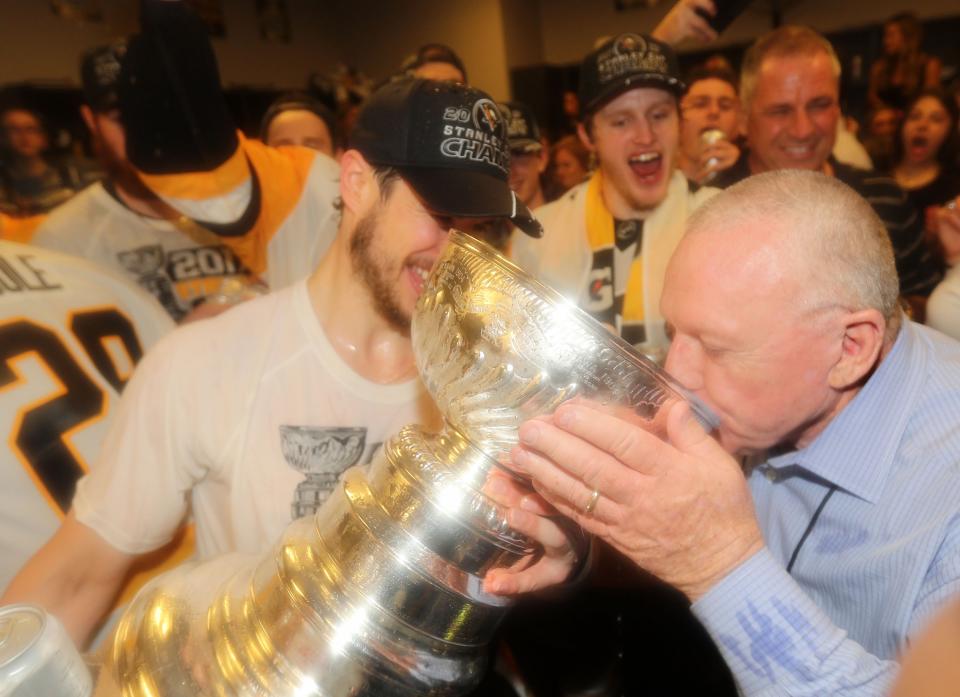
592	503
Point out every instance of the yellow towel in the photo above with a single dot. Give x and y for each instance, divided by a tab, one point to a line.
600	234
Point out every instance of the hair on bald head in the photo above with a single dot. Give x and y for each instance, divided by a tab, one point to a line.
830	231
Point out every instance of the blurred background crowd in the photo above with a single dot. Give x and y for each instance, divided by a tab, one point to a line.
284	56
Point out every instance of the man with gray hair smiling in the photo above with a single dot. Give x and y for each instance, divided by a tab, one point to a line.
790	90
812	567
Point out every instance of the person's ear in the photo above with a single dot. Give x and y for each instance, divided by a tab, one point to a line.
862	344
742	117
543	160
357	184
585	136
86	113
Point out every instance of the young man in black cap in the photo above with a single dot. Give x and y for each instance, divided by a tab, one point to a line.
608	240
528	158
129	226
328	353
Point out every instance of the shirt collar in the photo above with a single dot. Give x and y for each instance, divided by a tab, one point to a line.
856	449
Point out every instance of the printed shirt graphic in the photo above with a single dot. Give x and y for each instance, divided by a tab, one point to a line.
224	445
70	334
181	278
322	455
160	257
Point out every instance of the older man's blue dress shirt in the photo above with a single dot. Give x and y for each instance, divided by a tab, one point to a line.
884	551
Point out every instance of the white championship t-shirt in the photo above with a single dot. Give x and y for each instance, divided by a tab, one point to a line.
245	416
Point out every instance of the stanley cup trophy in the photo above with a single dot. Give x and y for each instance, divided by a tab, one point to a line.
380	592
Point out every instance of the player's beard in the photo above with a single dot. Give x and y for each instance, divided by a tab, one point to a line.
371	270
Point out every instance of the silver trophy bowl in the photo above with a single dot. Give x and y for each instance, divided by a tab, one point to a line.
380	591
496	347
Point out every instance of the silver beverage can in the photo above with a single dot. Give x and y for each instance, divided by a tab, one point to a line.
711	136
707	138
37	658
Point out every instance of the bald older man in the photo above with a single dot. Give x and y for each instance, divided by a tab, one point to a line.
813	570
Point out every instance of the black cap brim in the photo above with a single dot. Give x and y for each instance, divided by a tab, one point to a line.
629	82
465	194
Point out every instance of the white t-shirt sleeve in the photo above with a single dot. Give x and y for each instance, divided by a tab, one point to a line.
136	493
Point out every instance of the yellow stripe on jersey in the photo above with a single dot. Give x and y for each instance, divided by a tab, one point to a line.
282	175
19	229
633	298
600	234
599	221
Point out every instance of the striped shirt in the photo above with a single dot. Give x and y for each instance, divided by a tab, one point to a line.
867	518
918	269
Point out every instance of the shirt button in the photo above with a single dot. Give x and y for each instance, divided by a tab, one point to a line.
771	474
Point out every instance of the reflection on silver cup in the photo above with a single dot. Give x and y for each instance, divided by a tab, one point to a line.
380	592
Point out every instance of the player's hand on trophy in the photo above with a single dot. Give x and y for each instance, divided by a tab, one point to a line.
527	513
678	507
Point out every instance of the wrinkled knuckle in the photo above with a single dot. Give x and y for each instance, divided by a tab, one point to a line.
591	470
624	445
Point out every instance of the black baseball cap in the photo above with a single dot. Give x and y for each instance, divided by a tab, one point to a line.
100	74
523	134
623	63
448	142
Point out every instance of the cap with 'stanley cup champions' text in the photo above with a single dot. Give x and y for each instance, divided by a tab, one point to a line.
623	63
523	134
449	143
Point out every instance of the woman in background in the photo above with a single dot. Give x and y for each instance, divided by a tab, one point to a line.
926	168
926	153
898	75
569	165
